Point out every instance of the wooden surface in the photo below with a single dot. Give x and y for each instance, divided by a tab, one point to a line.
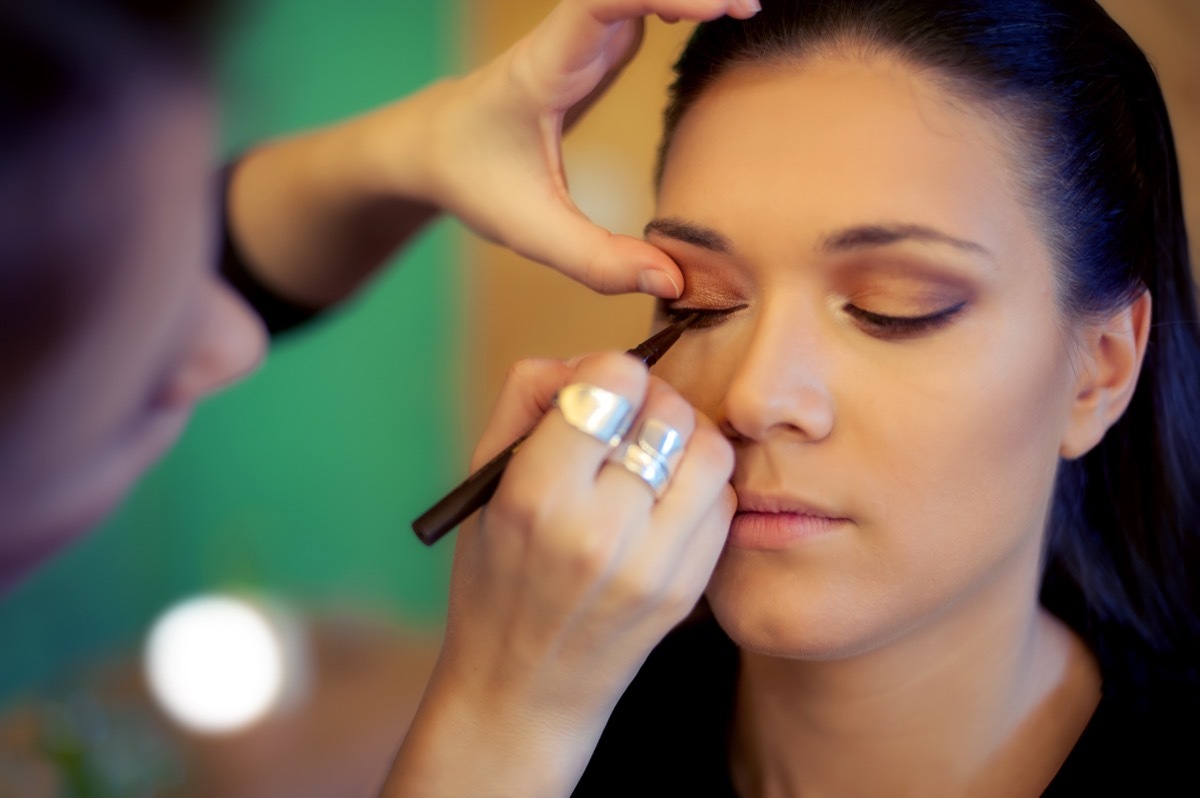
336	742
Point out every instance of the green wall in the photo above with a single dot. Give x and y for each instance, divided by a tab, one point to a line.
304	479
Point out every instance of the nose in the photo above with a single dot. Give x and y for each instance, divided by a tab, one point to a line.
780	385
229	343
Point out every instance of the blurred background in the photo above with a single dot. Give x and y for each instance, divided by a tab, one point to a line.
294	491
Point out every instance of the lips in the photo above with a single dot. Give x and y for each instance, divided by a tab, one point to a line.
775	521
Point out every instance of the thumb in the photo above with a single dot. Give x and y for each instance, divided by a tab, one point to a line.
606	262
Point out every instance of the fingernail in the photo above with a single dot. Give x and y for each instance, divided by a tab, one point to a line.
658	283
753	6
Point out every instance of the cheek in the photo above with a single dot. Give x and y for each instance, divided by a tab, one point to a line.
970	440
700	366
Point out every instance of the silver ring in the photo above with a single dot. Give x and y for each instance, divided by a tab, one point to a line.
652	454
602	414
643	465
662	441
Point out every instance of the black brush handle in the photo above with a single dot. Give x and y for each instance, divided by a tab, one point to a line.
457	505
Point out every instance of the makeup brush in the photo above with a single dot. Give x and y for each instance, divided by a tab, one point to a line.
477	489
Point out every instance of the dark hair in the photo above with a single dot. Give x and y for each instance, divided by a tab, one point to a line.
66	68
1100	160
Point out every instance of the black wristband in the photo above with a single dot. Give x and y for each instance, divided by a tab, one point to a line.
278	313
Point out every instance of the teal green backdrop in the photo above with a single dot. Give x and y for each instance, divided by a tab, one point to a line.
303	480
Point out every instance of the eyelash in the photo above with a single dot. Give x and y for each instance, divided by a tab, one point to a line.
899	327
881	326
705	317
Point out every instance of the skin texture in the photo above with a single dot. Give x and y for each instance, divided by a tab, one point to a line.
893	482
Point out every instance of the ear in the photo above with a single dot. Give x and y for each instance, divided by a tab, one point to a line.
1113	353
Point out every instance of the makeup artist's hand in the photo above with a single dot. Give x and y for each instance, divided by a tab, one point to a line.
561	587
498	141
315	214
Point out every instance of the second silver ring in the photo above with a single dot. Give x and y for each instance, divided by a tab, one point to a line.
651	454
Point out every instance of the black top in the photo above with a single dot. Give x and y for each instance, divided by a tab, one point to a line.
668	735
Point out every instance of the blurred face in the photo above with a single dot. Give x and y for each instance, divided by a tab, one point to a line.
891	369
157	334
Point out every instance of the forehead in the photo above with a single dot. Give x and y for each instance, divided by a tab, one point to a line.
835	141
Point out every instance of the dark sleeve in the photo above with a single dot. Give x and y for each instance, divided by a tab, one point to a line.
278	313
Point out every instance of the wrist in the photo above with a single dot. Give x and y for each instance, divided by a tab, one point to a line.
464	743
400	148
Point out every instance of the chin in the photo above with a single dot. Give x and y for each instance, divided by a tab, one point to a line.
773	633
38	535
783	614
68	508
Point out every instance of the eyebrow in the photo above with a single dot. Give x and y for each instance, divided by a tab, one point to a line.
882	235
689	233
847	240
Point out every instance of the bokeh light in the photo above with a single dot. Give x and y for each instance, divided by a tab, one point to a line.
218	663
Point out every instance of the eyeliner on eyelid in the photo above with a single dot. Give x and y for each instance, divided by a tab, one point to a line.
705	317
886	327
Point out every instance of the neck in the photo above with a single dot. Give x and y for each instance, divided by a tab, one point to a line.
950	709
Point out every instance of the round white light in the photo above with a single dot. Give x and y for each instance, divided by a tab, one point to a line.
215	663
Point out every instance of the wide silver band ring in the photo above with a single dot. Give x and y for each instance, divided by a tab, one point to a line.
643	465
651	454
600	413
662	441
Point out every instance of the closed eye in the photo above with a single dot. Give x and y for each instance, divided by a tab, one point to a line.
900	327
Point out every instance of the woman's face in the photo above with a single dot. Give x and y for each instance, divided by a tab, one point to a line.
158	332
896	381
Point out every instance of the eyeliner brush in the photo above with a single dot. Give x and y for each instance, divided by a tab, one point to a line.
654	347
477	489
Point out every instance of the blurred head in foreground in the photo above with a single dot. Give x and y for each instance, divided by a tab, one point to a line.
112	320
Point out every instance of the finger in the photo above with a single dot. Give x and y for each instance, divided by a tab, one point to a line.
525	397
668	567
577	33
609	263
694	10
619	52
698	498
617	485
698	555
559	462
